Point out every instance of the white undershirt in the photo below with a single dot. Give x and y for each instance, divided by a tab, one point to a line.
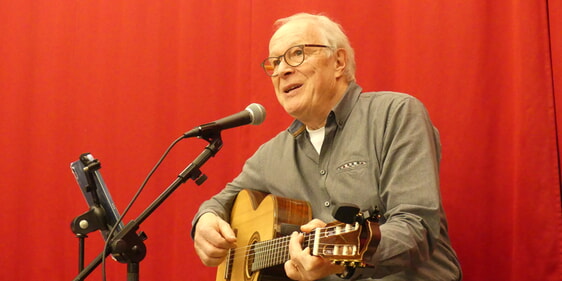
317	138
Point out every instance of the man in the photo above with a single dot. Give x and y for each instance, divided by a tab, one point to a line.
376	150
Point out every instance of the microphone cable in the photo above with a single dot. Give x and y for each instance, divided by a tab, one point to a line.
133	200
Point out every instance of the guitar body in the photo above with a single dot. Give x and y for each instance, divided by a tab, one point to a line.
255	217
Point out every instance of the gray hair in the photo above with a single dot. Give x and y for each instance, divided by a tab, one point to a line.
333	34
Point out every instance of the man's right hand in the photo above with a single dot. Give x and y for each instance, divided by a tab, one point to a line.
213	237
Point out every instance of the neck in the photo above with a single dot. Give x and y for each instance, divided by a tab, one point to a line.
318	120
316	126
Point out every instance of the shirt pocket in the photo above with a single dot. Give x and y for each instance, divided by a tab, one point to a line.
355	182
351	166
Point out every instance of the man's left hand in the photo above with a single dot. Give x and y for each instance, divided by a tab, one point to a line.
302	265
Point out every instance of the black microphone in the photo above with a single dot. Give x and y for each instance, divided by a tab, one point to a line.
253	114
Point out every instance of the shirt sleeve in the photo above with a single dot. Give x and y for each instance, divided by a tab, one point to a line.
409	188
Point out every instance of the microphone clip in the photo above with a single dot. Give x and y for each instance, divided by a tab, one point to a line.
208	132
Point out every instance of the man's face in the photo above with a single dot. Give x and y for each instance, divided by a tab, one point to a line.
304	91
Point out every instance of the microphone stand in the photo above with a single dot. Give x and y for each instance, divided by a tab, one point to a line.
127	246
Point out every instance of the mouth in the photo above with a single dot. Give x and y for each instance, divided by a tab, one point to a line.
290	88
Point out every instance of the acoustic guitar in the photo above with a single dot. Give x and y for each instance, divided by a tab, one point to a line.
263	222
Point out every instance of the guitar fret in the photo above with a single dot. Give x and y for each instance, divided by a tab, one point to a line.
267	254
274	255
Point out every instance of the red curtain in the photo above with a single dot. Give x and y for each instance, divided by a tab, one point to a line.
123	79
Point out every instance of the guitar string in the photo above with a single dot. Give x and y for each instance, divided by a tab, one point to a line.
325	231
268	252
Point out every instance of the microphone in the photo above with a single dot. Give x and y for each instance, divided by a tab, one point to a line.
253	114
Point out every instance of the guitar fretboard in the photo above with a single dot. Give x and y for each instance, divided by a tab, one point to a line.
265	254
274	252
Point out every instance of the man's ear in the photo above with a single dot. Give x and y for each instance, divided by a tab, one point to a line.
340	62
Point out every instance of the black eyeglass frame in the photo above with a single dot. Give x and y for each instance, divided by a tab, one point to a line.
302	46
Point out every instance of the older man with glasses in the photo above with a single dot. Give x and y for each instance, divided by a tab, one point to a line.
375	150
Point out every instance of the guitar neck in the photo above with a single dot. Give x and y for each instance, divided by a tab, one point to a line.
328	242
274	252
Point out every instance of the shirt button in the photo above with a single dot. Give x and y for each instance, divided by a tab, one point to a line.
322	172
327	204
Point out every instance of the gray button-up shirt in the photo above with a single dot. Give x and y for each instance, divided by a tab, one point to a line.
380	151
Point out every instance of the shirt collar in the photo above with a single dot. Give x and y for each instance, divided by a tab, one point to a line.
341	111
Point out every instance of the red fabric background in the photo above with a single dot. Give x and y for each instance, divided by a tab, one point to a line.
122	79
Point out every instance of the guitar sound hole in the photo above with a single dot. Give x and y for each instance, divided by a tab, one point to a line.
251	256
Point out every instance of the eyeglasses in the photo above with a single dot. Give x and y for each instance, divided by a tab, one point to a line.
294	57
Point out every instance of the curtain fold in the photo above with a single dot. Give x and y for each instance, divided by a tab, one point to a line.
123	79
